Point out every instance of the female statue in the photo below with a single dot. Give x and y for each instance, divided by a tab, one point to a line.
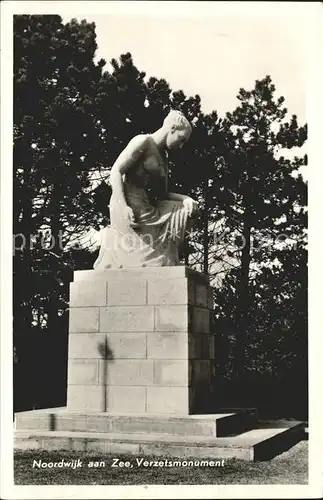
146	230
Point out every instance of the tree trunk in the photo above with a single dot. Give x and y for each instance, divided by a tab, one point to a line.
243	301
22	261
186	251
206	231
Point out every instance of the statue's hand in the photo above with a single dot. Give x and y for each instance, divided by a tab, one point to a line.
190	205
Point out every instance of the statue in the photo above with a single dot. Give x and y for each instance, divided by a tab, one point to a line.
147	222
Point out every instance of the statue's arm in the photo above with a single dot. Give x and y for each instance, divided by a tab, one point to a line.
176	196
135	149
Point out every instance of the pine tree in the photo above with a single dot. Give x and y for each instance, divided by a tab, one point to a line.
57	146
265	196
56	133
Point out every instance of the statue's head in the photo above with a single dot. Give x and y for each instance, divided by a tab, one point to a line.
178	129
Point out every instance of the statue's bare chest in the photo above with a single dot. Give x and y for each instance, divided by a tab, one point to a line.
153	165
150	169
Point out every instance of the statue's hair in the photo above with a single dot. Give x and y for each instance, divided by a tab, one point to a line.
178	120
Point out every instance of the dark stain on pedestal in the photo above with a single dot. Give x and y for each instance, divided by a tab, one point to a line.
107	355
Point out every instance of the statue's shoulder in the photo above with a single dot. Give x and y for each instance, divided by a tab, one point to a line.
141	141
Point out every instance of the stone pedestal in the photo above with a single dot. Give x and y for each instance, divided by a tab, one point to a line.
141	341
141	375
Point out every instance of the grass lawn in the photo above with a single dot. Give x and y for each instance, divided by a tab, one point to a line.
290	467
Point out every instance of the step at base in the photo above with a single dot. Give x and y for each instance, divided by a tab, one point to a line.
219	424
258	444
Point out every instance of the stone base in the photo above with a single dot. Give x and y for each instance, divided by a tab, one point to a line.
141	375
221	436
62	419
141	341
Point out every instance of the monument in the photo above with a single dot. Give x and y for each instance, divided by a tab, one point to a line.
140	336
141	363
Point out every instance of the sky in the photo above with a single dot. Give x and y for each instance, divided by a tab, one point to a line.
212	56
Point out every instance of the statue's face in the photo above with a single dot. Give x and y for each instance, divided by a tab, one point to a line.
176	138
